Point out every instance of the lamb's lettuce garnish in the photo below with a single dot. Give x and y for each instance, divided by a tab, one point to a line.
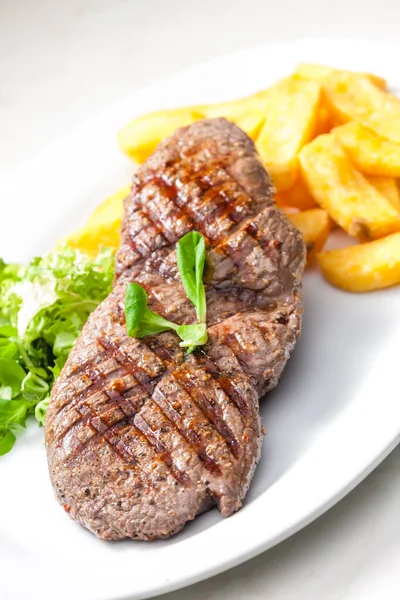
43	308
141	321
191	258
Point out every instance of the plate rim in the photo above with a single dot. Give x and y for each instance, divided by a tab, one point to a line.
65	140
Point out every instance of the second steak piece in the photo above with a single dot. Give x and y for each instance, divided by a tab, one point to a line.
140	436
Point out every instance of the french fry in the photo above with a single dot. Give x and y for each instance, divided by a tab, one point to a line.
321	72
141	137
340	189
387	186
370	153
297	196
365	267
102	227
290	122
354	97
315	226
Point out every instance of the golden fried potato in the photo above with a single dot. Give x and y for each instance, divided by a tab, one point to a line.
385	120
102	227
351	97
365	267
315	225
340	189
290	122
354	97
248	113
297	196
370	153
387	186
325	121
141	137
321	72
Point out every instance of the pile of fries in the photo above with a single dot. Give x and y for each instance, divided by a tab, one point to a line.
330	139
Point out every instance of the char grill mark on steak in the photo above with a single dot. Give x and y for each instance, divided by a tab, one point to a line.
140	436
191	436
165	455
146	378
123	408
149	386
195	414
119	435
98	389
200	389
204	200
226	384
186	200
161	351
207	408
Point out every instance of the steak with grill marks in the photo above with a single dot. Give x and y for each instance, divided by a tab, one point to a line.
140	436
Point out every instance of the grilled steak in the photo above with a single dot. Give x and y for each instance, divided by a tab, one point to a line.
140	436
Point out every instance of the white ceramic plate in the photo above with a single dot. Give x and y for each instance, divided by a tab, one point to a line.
333	418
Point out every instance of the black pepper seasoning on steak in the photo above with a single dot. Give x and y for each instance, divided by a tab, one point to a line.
140	436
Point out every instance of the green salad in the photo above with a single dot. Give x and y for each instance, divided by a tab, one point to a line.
43	308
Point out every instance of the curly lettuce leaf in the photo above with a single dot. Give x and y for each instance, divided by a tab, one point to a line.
43	308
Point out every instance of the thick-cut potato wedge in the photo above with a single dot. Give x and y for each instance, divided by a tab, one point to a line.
110	210
248	113
103	226
325	121
141	137
340	189
290	122
365	267
315	225
387	186
321	72
353	97
371	153
297	196
385	120
250	120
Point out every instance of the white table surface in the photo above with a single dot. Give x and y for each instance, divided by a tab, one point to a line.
60	62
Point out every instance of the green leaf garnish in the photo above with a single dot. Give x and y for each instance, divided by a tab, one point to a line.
43	307
141	321
11	374
192	336
34	387
7	441
190	256
40	410
13	412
